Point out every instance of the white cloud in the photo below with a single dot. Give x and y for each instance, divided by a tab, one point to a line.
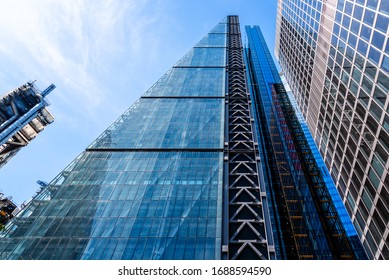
76	44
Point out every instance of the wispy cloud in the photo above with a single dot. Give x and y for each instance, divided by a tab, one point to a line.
77	44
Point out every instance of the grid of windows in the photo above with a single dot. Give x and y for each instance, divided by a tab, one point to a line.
167	123
200	56
353	112
298	35
106	203
352	130
199	82
213	40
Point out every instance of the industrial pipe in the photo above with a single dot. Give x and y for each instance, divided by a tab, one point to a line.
22	121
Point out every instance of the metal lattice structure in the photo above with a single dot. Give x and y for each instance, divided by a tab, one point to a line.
247	234
22	116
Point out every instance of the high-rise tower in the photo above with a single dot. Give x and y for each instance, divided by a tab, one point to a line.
23	115
308	222
180	175
335	55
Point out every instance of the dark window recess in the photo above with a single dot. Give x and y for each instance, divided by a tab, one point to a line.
385	194
360	220
365	147
375	110
342	184
385	250
383	154
383	210
344	133
349	210
359	171
379	222
379	96
371	124
351	100
361	110
363	209
342	89
370	70
361	159
370	188
383	81
384	139
347	166
349	155
371	242
354	191
352	144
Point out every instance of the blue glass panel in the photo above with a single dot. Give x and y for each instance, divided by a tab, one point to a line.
385	63
177	200
343	34
362	47
167	123
384	7
220	28
374	55
346	21
340	5
355	25
378	40
369	17
336	29
210	57
213	40
352	40
338	17
372	3
382	23
387	48
358	10
190	82
366	32
348	8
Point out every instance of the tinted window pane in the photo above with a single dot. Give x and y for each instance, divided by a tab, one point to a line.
382	23
369	17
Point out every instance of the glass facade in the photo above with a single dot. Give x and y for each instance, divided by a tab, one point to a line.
294	171
349	87
167	123
150	186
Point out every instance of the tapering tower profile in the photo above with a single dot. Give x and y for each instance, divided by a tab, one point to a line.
155	185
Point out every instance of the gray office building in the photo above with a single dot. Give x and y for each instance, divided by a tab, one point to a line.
335	56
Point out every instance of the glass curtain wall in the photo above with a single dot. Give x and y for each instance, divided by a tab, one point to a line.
150	186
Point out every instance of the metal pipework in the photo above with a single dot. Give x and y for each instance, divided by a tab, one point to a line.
12	128
16	114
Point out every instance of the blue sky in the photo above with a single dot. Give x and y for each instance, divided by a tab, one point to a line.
102	55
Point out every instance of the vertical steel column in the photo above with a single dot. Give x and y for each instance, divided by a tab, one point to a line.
246	225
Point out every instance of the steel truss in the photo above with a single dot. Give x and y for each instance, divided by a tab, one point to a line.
246	225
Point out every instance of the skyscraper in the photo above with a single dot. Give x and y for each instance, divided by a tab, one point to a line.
180	174
308	220
23	115
335	55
